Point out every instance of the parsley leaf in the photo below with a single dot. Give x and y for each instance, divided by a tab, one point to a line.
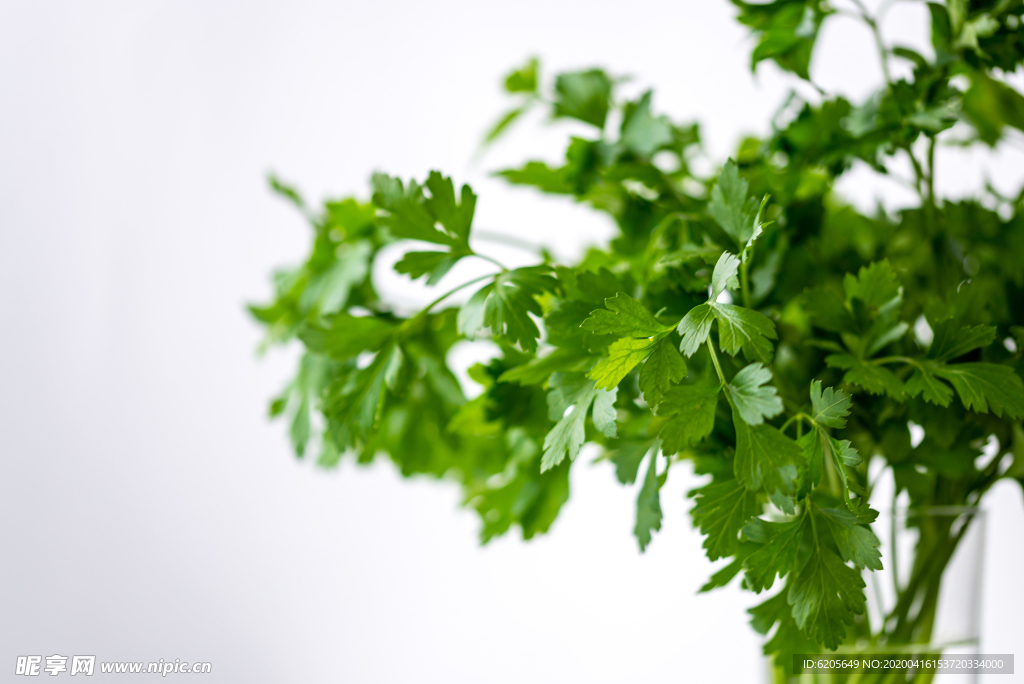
663	368
503	307
986	386
648	505
625	317
779	543
753	400
721	510
830	406
583	95
766	458
731	207
692	408
825	596
569	401
623	355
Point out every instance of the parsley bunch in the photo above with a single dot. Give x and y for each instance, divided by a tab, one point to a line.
750	322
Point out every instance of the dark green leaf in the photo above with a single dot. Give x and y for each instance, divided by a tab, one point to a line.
721	511
776	556
765	458
692	411
986	387
648	505
825	596
830	406
740	328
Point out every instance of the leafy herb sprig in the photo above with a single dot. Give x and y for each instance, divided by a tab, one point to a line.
752	323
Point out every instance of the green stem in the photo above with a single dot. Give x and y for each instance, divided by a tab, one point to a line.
744	280
883	54
493	261
425	310
894	562
501	239
718	367
896	359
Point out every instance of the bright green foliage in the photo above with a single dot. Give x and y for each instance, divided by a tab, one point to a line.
721	511
752	398
648	505
748	321
568	402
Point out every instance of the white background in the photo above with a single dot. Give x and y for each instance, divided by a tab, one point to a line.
147	507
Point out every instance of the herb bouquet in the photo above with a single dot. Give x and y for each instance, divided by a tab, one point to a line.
751	323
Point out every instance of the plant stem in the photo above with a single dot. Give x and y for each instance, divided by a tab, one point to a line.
511	241
446	295
744	280
883	54
714	359
493	261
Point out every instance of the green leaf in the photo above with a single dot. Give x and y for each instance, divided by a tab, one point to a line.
724	276
414	215
357	406
408	216
991	106
624	317
502	124
753	400
695	328
723	576
874	285
648	505
418	264
344	336
539	369
286	191
455	217
568	402
830	407
730	206
875	379
788	639
776	555
740	328
663	368
786	31
721	511
827	310
627	458
540	176
327	292
931	389
857	543
812	445
692	411
986	387
523	79
503	307
583	95
623	355
302	398
843	454
765	458
643	133
950	340
825	597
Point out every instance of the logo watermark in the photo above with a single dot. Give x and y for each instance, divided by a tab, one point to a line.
53	665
